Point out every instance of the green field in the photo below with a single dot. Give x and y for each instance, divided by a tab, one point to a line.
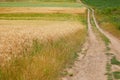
102	3
39	4
108	14
56	0
35	16
38	0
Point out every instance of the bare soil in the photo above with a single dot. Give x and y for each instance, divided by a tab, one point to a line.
42	10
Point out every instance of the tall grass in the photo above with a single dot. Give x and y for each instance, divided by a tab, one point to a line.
45	61
109	21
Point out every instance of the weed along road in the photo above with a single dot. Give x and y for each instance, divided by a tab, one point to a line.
92	66
98	62
115	43
59	40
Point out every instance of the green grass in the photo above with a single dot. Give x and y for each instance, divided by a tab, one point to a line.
116	75
114	61
38	0
39	4
109	20
107	42
109	74
47	60
102	3
103	37
35	16
56	0
108	14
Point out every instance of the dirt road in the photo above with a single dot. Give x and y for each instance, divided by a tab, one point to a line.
92	66
115	43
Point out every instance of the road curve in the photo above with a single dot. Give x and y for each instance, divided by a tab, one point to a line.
115	43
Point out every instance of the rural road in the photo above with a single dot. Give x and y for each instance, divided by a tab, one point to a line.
93	65
115	43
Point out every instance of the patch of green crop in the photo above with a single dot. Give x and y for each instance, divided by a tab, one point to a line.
56	0
39	4
38	0
114	61
36	16
102	3
116	75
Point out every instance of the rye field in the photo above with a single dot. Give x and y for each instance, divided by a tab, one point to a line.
38	41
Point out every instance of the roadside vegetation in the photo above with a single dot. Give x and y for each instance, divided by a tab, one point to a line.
107	42
115	62
46	60
98	33
108	14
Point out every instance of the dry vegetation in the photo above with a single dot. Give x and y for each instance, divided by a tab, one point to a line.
111	29
38	49
14	38
35	45
41	10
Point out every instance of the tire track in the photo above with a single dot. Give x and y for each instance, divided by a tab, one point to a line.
93	65
115	43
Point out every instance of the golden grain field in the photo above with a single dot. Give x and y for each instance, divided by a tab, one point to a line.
16	36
